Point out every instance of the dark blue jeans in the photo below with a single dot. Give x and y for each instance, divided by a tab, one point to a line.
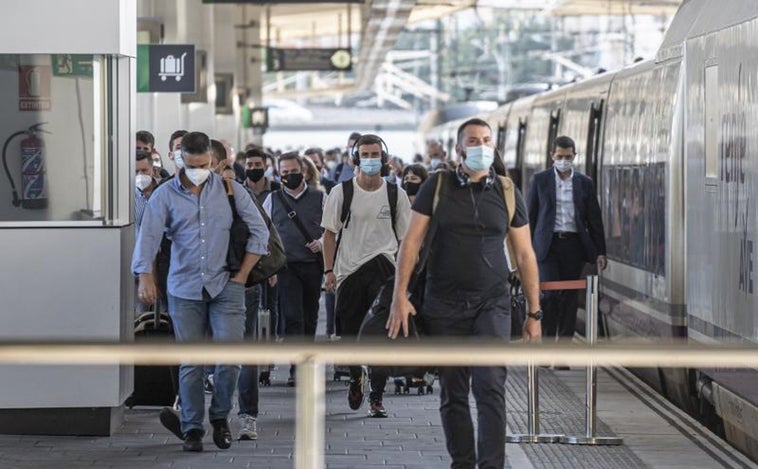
472	317
247	386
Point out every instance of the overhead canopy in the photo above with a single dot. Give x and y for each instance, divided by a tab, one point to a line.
612	7
379	22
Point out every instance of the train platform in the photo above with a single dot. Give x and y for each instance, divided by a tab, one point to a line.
655	433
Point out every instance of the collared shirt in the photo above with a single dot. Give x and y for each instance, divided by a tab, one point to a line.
140	202
199	228
564	204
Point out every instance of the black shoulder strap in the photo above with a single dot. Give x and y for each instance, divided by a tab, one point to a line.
292	215
347	200
392	196
230	196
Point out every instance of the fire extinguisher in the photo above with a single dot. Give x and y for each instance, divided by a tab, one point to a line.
33	184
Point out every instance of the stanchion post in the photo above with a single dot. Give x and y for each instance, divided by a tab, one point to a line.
533	413
590	409
310	407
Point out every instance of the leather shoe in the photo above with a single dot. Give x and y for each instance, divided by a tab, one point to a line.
222	436
170	419
193	440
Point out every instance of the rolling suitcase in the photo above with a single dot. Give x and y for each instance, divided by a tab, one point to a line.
154	385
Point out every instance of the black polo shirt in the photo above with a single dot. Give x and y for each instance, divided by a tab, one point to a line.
467	258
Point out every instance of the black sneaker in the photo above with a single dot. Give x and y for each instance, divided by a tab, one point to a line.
355	391
170	419
377	410
193	440
222	436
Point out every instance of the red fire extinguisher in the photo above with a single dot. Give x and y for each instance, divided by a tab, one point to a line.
33	183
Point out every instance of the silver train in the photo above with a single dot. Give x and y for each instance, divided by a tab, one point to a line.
672	144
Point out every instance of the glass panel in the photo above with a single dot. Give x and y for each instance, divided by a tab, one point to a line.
711	123
51	124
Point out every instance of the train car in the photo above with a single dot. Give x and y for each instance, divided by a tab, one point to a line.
721	189
671	146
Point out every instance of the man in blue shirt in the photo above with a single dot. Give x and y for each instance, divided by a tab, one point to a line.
203	298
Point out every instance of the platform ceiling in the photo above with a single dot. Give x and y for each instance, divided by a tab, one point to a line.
379	22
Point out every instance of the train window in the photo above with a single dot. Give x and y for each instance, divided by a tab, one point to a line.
711	125
57	126
634	212
593	140
501	129
552	134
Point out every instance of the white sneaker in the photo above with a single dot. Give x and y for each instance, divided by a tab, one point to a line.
248	427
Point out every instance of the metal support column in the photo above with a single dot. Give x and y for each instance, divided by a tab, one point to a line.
533	418
590	409
311	404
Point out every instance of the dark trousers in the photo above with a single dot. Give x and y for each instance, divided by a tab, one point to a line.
564	261
354	298
329	305
467	317
300	289
247	385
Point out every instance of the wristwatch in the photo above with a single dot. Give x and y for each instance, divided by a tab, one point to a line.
537	315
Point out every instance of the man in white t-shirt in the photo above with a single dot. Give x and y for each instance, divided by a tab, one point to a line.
369	237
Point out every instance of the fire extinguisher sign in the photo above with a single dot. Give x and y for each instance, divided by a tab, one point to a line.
166	68
34	88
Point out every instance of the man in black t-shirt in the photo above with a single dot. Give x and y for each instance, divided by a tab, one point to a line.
467	289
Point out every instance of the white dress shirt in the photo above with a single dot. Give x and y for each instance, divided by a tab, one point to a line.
564	204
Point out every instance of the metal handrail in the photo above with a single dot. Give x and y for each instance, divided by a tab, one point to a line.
311	357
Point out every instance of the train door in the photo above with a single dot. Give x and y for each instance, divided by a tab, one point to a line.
593	140
552	134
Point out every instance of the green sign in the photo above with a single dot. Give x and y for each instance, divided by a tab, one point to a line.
143	67
72	65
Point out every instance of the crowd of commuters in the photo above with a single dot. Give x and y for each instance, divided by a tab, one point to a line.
350	219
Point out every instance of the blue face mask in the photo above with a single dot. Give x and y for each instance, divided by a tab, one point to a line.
479	158
371	166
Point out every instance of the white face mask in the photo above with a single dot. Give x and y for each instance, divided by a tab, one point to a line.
142	181
562	165
178	160
197	175
479	158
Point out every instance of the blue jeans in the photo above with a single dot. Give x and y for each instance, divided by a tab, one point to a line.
225	316
247	386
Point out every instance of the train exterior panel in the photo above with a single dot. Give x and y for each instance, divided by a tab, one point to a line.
541	131
721	193
514	142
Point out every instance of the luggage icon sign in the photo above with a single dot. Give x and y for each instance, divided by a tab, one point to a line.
172	67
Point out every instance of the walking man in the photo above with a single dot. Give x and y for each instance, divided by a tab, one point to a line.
567	231
203	297
467	288
370	221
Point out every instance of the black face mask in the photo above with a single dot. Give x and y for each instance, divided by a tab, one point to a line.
293	180
411	188
255	175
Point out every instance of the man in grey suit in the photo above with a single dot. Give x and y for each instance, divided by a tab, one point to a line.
567	231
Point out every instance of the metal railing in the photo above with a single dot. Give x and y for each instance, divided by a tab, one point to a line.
311	358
